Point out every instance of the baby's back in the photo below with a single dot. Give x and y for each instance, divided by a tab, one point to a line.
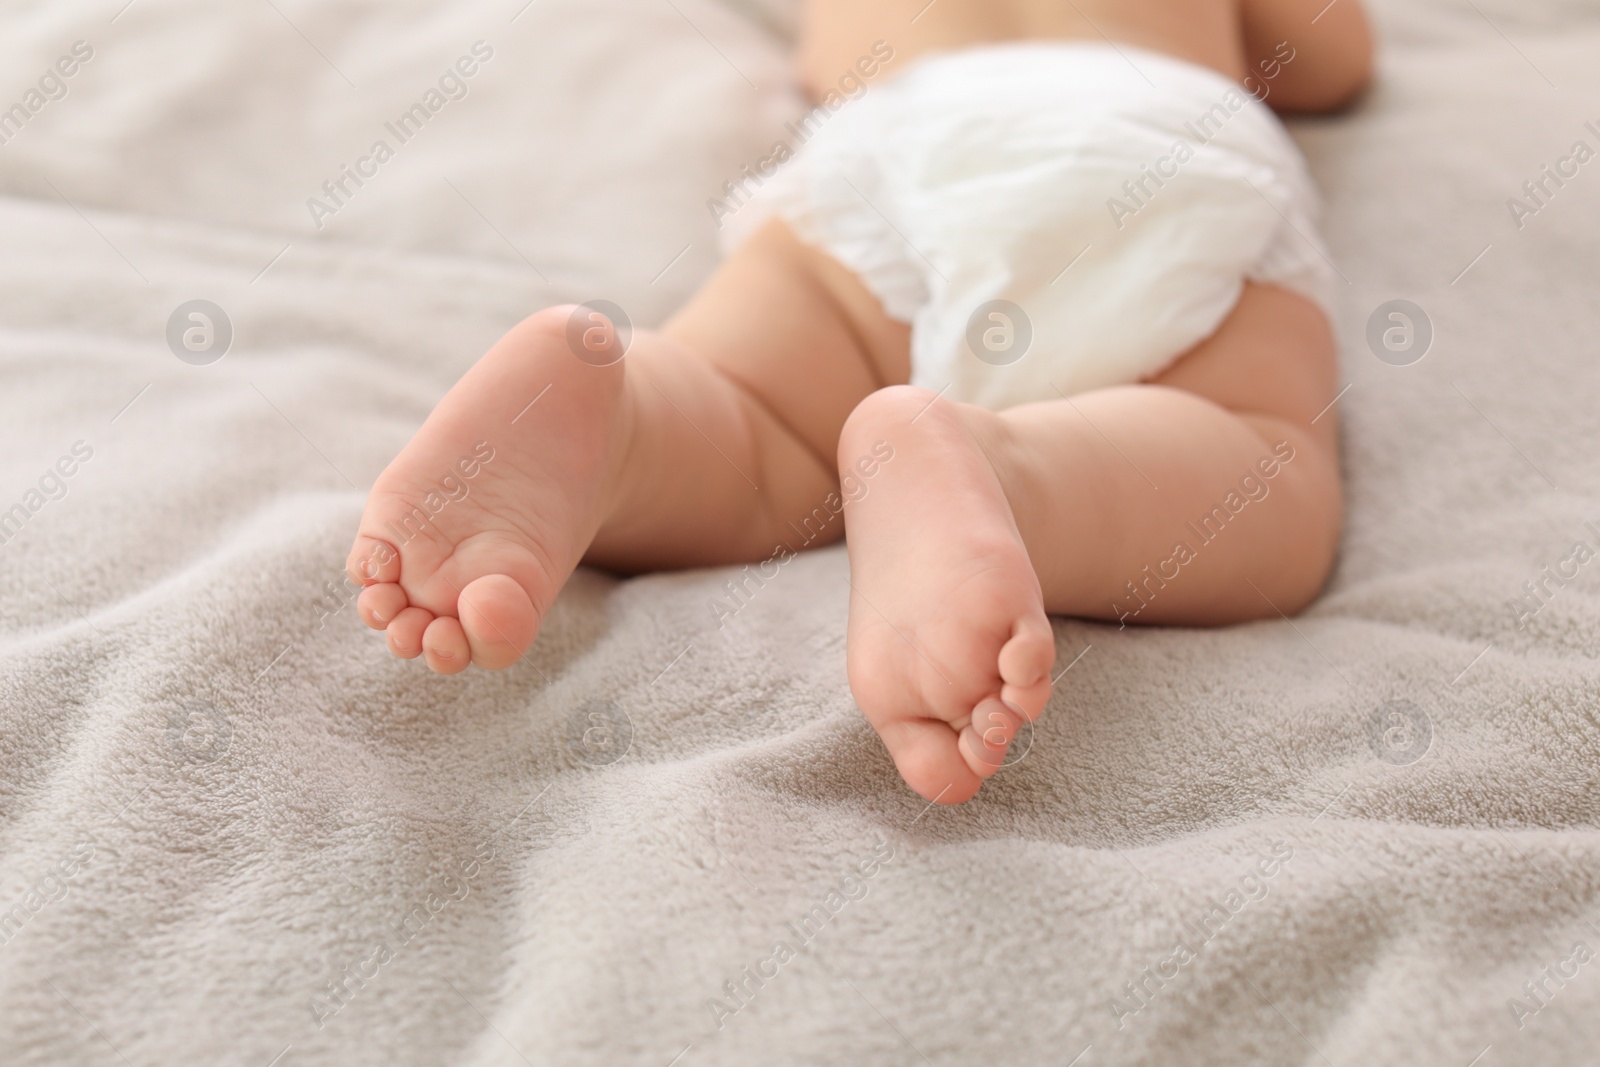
838	33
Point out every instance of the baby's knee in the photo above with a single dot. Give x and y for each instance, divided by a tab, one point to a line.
1306	473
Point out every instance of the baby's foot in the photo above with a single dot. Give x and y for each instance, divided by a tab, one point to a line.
950	648
476	525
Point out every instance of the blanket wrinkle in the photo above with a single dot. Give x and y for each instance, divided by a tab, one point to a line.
235	831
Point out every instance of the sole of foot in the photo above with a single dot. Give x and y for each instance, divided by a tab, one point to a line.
472	530
949	647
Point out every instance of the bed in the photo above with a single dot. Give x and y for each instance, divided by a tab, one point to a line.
236	831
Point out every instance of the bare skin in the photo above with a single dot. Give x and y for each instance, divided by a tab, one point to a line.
1229	36
721	439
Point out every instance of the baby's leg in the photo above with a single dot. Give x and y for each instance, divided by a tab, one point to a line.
1208	496
738	408
710	442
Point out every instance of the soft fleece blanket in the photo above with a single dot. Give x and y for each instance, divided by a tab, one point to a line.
235	831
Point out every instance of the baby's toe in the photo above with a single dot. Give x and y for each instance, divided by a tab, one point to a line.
379	604
1025	664
444	643
1027	657
983	742
499	620
927	754
1027	700
372	561
405	632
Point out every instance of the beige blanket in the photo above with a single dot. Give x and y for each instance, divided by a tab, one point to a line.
235	831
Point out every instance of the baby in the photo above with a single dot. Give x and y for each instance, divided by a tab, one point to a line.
1040	319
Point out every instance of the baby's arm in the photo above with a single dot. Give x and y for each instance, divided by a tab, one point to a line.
1332	56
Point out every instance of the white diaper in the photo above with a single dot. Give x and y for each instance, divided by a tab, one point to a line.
1114	202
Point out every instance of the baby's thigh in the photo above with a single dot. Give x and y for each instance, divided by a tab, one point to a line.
1274	356
797	330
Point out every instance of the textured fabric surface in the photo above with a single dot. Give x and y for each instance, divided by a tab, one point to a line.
234	829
